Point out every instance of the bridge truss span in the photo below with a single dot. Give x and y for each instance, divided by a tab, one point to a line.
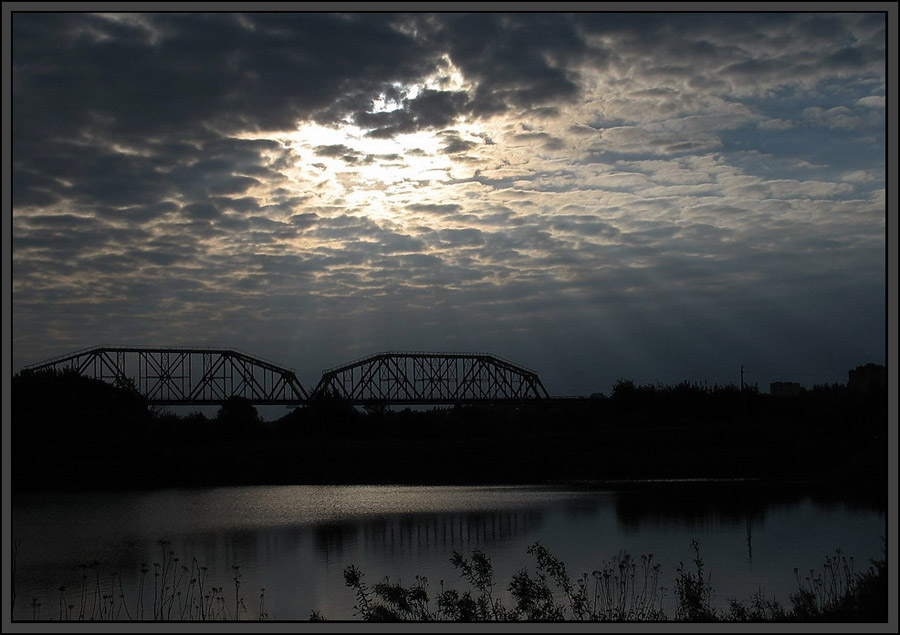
431	379
185	376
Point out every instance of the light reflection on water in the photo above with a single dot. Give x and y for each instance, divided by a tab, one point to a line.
295	541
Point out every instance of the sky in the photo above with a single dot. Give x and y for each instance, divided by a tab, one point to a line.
595	196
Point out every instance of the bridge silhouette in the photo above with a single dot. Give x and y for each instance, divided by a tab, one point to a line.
210	376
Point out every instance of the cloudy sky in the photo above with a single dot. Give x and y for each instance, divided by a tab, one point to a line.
595	196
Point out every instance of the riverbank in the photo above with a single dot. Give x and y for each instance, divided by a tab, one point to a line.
607	453
100	437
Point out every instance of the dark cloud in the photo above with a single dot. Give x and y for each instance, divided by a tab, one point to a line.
454	144
430	109
233	223
583	225
62	222
166	72
145	191
201	210
137	215
123	110
343	227
336	150
303	220
157	257
61	244
400	243
519	60
33	189
419	261
439	209
469	237
241	205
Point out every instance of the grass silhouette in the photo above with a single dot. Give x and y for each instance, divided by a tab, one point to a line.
622	589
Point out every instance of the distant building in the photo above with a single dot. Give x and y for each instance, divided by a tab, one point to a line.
868	379
785	389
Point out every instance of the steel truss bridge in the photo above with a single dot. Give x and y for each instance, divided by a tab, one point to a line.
185	376
431	378
200	376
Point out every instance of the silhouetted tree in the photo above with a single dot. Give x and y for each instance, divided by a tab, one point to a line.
237	410
67	410
237	419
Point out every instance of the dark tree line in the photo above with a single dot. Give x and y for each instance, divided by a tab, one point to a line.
62	421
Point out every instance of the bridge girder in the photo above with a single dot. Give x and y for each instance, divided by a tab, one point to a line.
185	376
393	378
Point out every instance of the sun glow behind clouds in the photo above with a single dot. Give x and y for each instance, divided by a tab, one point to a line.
379	176
346	166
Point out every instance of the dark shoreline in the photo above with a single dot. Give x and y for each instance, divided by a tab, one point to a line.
95	436
429	462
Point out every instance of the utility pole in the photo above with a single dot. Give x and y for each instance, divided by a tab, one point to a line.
743	397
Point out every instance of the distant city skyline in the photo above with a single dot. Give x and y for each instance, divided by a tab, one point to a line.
595	196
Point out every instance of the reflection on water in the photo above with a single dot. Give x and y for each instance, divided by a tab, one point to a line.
296	541
426	533
730	502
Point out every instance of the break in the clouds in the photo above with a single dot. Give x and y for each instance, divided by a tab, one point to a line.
593	195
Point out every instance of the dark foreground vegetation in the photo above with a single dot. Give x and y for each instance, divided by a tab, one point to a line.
623	589
73	432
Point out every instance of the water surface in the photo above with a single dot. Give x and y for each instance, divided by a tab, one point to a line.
295	541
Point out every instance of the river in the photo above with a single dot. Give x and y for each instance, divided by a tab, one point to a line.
295	541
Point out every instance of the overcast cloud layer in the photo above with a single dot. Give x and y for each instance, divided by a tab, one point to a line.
595	196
